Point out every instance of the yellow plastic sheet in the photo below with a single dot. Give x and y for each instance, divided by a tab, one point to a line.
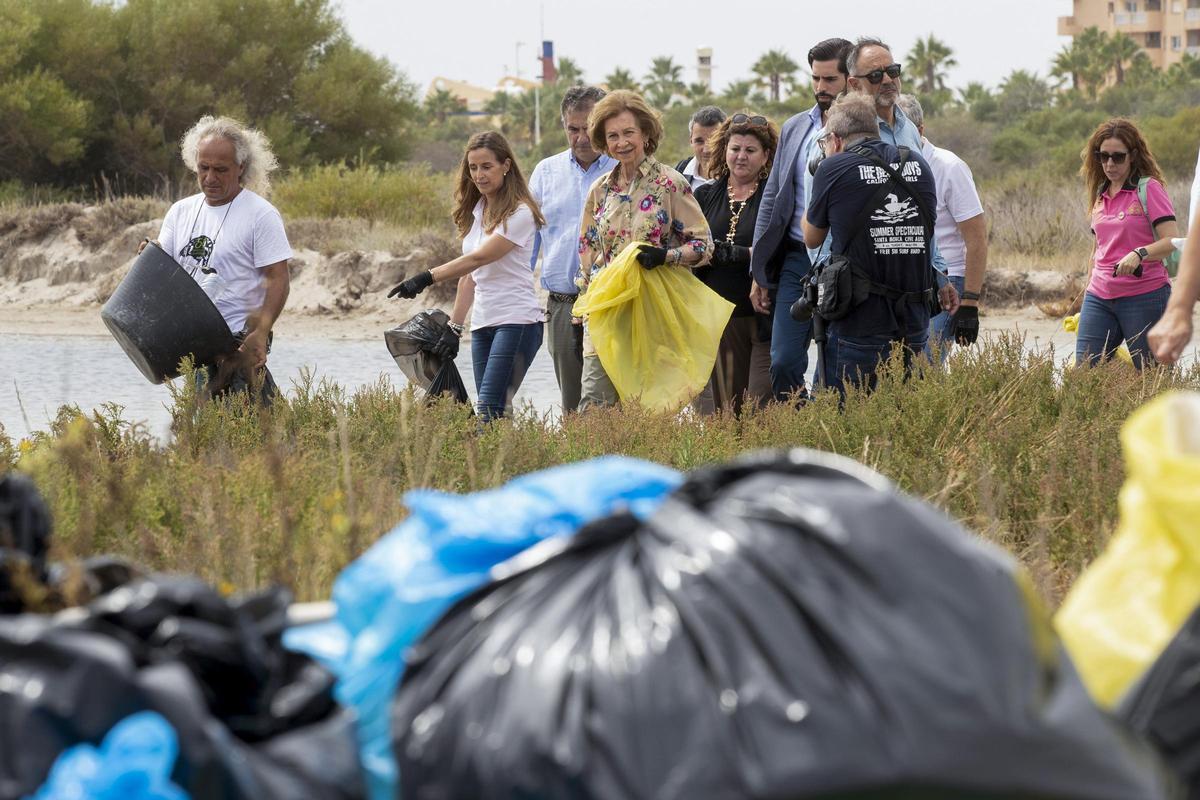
1129	604
1071	325
655	331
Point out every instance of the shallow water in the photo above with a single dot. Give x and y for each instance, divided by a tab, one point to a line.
40	373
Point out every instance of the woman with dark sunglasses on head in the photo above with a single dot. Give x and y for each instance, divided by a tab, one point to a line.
1129	286
740	155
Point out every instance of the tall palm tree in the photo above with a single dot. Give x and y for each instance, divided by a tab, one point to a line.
1071	62
440	104
1121	49
929	59
1023	92
737	94
699	94
664	81
775	68
498	107
521	114
569	73
621	78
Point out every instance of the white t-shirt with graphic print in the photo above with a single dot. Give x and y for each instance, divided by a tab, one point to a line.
236	239
504	293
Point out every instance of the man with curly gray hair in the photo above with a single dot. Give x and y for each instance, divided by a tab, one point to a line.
229	236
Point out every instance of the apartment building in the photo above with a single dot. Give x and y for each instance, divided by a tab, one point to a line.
1166	29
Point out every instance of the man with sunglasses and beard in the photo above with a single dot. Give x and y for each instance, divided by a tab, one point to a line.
780	260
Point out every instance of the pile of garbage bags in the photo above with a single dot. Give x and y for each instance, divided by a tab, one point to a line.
251	719
787	625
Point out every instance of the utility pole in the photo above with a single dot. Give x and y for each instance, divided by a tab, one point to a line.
537	90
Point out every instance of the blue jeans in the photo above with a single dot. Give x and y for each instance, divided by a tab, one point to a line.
939	326
789	339
501	355
856	358
1104	324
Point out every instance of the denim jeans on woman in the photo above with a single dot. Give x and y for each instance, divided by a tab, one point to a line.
501	356
1104	324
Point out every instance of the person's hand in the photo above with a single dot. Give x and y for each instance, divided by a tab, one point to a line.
964	325
254	348
447	344
142	244
413	286
1170	335
721	254
1128	265
650	256
948	297
760	298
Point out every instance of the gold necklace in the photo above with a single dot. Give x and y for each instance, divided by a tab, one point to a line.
735	214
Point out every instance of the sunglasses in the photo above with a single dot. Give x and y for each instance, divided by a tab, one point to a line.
742	119
875	76
1116	158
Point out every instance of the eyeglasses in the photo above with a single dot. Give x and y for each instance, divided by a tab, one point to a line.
742	119
1116	158
875	76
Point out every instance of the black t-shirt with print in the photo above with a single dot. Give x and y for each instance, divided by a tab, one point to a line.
893	246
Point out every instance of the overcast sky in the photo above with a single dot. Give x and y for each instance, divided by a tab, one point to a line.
476	40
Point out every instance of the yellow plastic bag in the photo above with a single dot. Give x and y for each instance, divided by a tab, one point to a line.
1071	325
1129	604
655	331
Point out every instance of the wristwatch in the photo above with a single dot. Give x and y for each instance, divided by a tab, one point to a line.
1142	253
969	296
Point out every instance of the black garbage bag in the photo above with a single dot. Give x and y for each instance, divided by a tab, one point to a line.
254	720
1164	705
409	344
449	381
24	539
785	627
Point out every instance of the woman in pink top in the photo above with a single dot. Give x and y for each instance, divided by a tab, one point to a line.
1129	286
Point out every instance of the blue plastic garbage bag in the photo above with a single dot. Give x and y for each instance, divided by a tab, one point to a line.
450	545
133	763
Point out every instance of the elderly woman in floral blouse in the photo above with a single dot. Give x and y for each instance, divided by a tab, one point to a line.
641	200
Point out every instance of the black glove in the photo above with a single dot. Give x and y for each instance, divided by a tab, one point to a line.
730	255
413	286
964	325
650	257
447	344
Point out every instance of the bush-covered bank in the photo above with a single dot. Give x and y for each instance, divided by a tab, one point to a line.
1004	441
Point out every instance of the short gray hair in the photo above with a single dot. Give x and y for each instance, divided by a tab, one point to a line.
856	52
912	109
853	115
252	150
578	97
706	117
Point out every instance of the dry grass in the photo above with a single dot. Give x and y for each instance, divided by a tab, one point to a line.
1004	441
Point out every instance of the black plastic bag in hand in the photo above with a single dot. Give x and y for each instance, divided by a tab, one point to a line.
411	343
449	381
447	344
790	627
964	326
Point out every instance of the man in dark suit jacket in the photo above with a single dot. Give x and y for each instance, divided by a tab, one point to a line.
780	261
702	125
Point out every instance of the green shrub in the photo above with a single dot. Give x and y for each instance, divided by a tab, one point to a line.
405	196
1018	450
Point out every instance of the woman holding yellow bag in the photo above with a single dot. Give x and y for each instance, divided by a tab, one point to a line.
641	200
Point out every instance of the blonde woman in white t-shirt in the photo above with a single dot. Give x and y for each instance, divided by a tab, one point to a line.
497	217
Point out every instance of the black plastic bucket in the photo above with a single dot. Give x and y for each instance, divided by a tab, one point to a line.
159	314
